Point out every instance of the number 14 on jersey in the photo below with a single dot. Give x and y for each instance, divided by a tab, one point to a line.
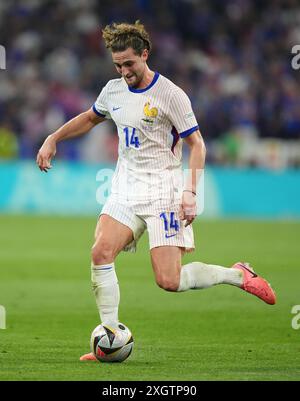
131	138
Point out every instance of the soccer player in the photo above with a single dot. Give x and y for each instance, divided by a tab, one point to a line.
153	117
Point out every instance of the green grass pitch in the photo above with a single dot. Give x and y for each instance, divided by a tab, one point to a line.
221	333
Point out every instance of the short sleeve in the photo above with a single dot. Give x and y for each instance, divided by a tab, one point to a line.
181	114
100	106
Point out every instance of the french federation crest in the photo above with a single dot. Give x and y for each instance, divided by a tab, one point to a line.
150	113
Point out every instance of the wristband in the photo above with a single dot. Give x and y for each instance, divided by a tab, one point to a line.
187	190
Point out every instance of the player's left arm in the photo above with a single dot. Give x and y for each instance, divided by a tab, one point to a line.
182	117
196	167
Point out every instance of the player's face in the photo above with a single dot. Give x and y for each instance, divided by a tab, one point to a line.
130	65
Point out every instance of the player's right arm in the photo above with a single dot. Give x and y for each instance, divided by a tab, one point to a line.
79	125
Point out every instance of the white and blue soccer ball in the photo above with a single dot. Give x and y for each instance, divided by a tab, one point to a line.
111	343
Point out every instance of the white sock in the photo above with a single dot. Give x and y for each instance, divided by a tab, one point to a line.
106	289
199	275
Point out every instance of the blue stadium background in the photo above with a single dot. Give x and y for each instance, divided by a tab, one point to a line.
232	57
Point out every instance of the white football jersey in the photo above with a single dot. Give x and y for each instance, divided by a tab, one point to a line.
151	123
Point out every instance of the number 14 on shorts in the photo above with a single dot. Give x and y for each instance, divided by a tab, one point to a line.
169	221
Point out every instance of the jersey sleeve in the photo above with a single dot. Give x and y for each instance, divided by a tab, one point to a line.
181	114
100	105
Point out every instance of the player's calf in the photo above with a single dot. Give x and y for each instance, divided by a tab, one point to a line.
102	253
167	283
166	263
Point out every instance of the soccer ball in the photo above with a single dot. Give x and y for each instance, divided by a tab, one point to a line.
111	344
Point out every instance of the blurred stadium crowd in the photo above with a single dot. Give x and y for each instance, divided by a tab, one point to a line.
232	57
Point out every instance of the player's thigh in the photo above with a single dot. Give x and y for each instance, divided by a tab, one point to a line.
166	264
111	236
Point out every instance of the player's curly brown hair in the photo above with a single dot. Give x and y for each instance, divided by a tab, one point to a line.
120	36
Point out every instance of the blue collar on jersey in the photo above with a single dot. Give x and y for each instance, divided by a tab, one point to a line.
155	78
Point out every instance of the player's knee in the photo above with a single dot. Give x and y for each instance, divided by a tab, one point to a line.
167	283
102	253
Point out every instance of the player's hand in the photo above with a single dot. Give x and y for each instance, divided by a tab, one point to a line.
188	209
45	154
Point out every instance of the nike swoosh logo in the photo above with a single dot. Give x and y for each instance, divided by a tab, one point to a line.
169	236
116	108
250	271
